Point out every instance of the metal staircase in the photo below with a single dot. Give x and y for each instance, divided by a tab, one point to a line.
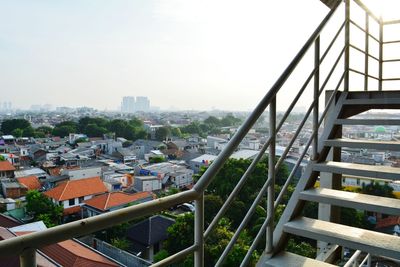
331	69
322	229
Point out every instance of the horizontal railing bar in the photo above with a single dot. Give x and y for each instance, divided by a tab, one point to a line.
366	9
391	79
176	257
363	74
353	258
392	42
288	180
397	21
14	246
391	60
362	51
209	174
363	30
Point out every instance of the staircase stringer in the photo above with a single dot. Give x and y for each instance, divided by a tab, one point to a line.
309	177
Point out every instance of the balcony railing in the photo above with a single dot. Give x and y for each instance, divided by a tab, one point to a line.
26	245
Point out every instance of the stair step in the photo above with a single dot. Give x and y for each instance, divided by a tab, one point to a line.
292	260
373	101
368	144
355	238
353	200
373	171
367	122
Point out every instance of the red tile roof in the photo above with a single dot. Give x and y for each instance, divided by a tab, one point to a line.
13	261
31	182
388	222
5	165
70	253
71	210
77	188
109	200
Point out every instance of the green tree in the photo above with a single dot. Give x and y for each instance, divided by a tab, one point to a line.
93	130
63	131
156	159
301	248
2	158
213	121
180	236
7	126
28	132
43	208
162	133
17	132
175	131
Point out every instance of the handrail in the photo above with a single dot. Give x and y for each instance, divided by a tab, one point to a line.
17	245
205	180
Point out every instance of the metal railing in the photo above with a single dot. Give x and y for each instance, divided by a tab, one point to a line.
353	261
25	246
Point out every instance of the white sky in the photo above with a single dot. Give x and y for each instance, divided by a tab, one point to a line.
183	53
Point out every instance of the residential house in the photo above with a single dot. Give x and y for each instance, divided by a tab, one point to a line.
12	189
113	201
175	175
202	161
71	194
143	147
147	183
125	155
30	182
6	169
38	172
82	173
148	235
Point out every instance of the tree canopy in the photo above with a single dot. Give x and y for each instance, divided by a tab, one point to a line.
43	208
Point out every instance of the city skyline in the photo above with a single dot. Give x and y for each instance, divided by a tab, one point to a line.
185	54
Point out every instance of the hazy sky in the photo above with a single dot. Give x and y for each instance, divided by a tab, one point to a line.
183	53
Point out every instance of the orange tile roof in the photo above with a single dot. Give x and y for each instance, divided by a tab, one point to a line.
31	182
113	199
388	222
70	253
72	210
77	188
5	165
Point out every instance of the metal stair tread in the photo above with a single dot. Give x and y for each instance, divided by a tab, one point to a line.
293	260
358	143
367	122
353	200
373	171
373	101
355	238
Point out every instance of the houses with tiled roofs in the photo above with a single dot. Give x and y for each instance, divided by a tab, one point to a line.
114	201
6	169
30	182
71	194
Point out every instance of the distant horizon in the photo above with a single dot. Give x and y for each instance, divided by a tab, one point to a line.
180	53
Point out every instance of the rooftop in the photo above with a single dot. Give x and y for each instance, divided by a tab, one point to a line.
5	165
77	188
114	199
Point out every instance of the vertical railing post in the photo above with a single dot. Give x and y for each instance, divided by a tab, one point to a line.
380	53
28	258
347	46
316	99
369	260
366	58
271	175
199	231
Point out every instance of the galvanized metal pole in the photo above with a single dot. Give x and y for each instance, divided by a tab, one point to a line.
271	175
366	51
28	258
347	46
199	231
380	53
369	261
316	98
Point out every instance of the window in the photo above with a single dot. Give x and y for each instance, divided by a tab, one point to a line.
80	199
71	202
358	181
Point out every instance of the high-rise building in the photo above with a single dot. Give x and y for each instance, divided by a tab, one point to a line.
142	103
130	104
